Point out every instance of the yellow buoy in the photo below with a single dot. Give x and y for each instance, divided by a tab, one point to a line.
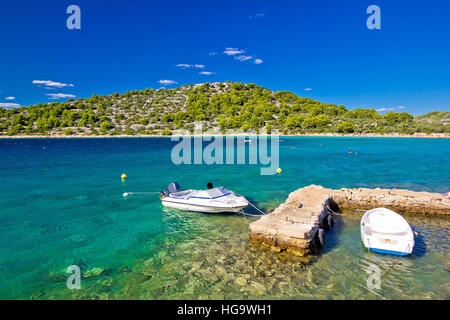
279	170
123	176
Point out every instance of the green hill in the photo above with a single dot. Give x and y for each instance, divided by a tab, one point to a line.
227	105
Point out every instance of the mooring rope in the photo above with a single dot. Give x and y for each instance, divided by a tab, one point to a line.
389	269
250	215
326	206
245	218
395	262
260	211
131	193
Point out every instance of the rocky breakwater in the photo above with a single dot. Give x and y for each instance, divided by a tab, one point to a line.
403	201
298	224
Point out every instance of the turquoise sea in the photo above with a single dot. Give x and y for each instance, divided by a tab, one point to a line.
61	204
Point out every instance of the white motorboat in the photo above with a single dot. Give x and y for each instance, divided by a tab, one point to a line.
214	200
385	231
245	140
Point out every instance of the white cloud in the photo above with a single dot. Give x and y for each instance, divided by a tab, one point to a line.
187	66
239	55
184	65
243	58
60	95
208	73
8	105
307	89
212	53
390	109
49	83
233	51
10	98
167	82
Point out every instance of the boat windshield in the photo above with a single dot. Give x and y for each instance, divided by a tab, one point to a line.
201	194
211	193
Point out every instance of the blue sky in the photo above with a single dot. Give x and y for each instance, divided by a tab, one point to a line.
322	46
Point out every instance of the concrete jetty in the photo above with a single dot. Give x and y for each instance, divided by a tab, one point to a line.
298	224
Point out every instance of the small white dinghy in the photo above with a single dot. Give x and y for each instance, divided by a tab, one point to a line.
214	200
384	231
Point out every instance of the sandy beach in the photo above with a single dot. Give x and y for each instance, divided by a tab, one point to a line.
366	135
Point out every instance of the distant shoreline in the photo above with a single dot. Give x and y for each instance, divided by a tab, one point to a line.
367	135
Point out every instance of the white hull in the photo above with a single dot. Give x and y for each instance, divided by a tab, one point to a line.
384	231
212	201
200	208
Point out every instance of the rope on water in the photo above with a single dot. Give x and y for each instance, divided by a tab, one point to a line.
250	215
246	222
254	215
260	211
326	206
131	193
395	262
389	269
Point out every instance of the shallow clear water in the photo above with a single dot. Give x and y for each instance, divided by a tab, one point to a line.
61	204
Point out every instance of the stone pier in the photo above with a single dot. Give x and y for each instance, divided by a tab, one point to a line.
298	224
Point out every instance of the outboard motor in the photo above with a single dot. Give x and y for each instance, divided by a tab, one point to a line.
163	194
173	187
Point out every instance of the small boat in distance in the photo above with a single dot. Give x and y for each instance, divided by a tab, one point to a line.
385	231
212	200
245	140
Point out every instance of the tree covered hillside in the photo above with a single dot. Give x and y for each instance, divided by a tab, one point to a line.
227	105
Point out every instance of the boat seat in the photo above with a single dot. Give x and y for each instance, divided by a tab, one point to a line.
181	194
389	231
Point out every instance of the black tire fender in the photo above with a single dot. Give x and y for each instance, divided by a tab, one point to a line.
330	221
321	237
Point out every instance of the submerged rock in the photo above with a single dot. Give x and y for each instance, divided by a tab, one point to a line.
275	248
240	281
94	272
258	287
57	276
